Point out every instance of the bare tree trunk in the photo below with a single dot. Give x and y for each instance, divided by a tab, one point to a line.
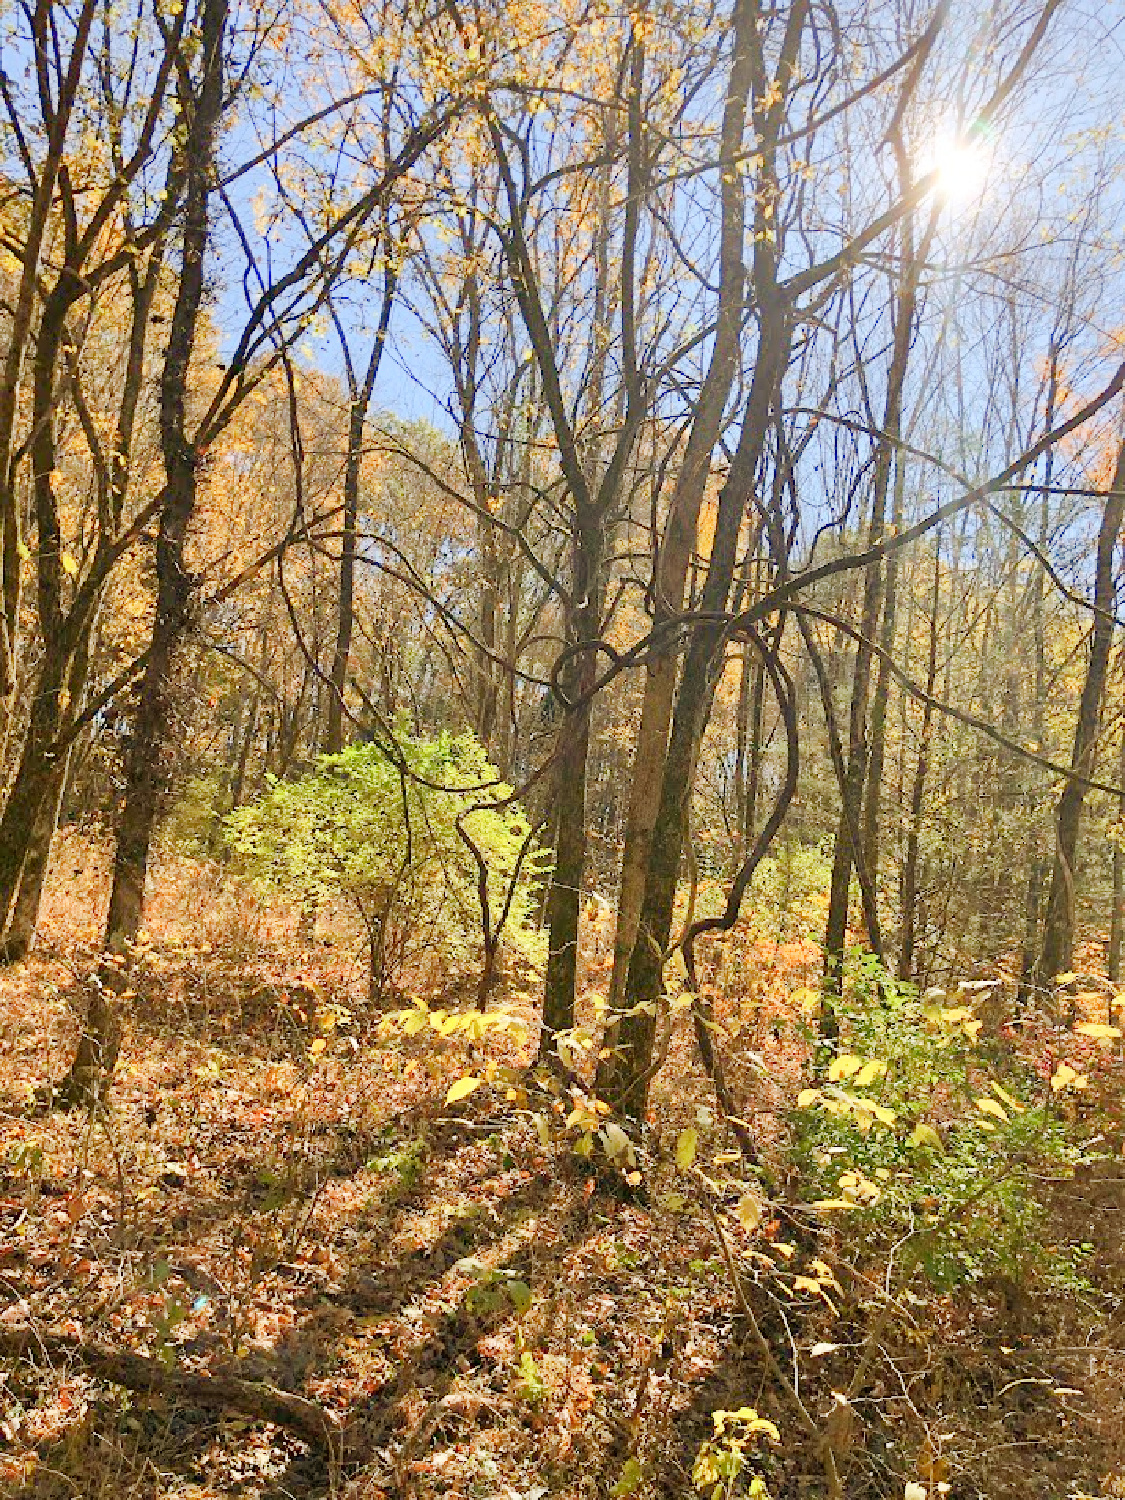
25	913
909	938
360	404
674	557
1058	932
623	1072
145	779
1117	914
852	817
564	896
145	773
19	339
878	729
1036	860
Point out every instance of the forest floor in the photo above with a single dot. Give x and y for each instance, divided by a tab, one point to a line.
279	1190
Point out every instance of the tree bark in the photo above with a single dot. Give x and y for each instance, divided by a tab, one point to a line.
622	1077
1058	933
359	406
1117	914
20	935
909	901
223	1390
146	775
852	823
674	557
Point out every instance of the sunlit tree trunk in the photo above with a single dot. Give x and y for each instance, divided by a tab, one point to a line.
359	404
623	1073
853	822
1117	913
25	913
678	541
1058	932
908	942
100	1041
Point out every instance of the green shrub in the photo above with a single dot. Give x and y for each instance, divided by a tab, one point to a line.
388	843
918	1130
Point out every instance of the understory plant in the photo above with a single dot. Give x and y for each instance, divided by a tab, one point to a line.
921	1130
395	838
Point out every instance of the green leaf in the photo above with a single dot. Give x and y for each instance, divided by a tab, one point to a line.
520	1294
632	1477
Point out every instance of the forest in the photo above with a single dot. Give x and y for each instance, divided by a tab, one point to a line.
562	750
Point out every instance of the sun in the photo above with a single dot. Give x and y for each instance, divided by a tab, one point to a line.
961	168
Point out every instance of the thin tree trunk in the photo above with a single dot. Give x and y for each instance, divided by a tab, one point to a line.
1058	932
18	340
909	940
847	855
145	779
359	406
1036	861
878	731
20	936
1117	915
623	1072
674	557
564	896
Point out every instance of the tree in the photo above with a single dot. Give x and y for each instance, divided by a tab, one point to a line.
1058	932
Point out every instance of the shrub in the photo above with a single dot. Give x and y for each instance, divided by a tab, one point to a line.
921	1130
355	828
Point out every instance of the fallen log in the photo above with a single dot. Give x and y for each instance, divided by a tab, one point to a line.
220	1390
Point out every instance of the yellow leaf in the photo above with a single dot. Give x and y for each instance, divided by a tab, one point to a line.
845	1066
686	1143
925	1135
69	566
1065	1077
869	1072
825	1274
990	1107
616	1142
318	1046
462	1089
1098	1029
807	1097
763	1424
832	1203
749	1212
1007	1098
